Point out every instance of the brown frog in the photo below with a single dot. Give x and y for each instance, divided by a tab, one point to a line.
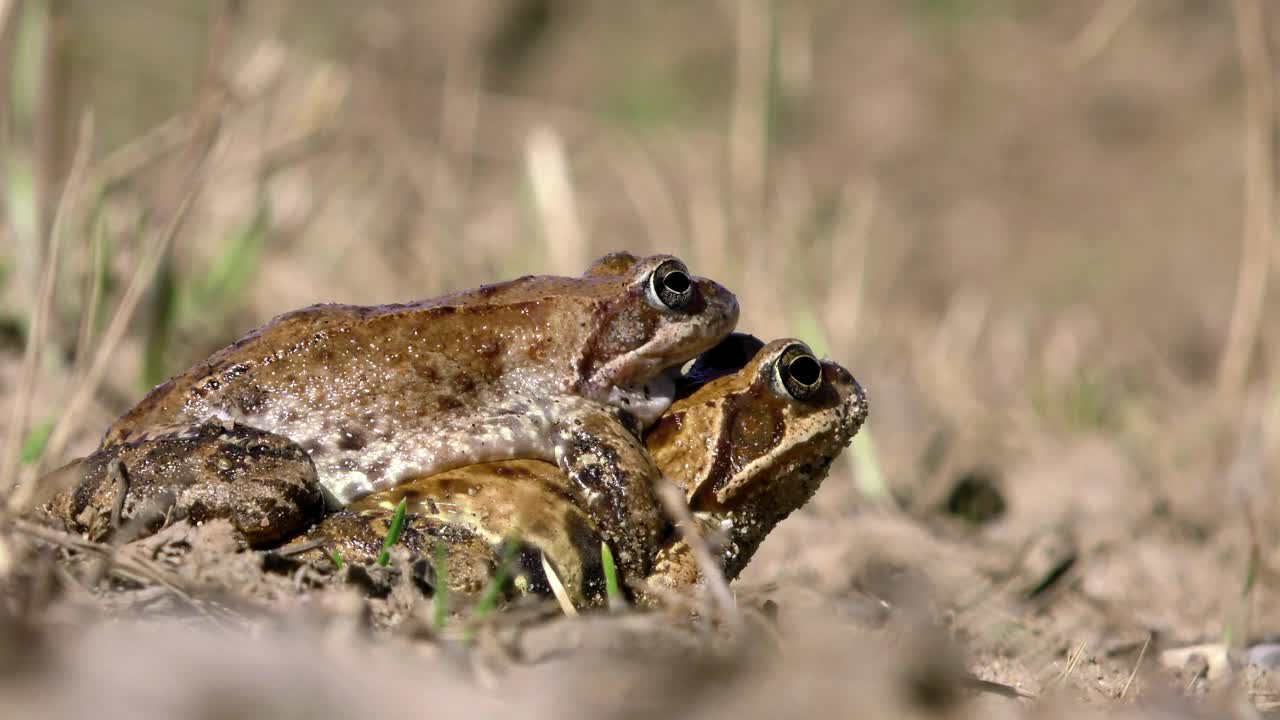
746	447
558	369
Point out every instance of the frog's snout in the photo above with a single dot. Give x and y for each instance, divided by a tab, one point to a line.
720	306
855	402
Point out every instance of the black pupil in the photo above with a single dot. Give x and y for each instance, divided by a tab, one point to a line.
676	282
805	370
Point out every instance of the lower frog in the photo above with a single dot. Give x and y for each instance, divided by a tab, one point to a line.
746	448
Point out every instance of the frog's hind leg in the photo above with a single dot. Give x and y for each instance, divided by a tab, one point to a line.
263	483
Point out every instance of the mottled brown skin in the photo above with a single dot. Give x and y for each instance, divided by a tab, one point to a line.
472	559
265	485
743	449
548	368
489	505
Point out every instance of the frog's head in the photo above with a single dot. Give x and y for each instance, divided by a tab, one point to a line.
647	315
750	447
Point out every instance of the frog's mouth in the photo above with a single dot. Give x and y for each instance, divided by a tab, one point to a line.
646	401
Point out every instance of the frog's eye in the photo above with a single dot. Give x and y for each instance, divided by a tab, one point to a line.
799	372
669	284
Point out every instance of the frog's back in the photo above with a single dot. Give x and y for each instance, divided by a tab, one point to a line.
326	354
164	405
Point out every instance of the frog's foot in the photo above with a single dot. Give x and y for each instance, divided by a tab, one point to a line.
676	570
614	472
263	483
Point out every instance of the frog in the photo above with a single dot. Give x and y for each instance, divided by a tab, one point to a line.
560	369
745	447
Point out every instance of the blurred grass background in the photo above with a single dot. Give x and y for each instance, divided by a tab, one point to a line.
1018	222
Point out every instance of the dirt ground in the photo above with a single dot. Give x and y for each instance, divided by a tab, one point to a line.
1024	226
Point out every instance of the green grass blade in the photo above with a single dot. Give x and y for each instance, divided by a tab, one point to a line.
230	272
94	303
29	58
867	469
805	325
612	588
489	599
868	472
33	445
393	534
160	325
22	197
440	600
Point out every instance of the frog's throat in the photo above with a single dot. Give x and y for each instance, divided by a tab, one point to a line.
646	401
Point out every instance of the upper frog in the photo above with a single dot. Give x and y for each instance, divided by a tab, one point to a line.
552	368
747	447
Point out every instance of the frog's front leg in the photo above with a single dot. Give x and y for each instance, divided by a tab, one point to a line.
263	483
603	457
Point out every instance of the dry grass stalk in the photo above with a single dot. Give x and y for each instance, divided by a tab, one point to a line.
452	170
557	588
126	562
1074	657
554	196
1137	664
6	12
50	115
673	501
1100	30
36	340
1258	223
190	176
93	292
849	250
87	385
748	131
653	199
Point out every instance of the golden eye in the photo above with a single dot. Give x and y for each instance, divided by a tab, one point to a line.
671	285
799	372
